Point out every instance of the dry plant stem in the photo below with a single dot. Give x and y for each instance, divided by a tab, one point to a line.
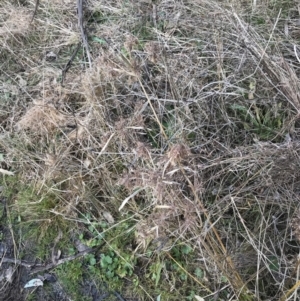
82	32
11	231
18	261
212	247
277	74
172	84
265	49
290	291
126	61
152	108
150	298
296	53
125	201
35	9
294	288
194	278
53	255
187	80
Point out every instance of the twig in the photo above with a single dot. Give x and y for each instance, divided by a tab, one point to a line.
18	261
118	296
69	63
35	9
61	261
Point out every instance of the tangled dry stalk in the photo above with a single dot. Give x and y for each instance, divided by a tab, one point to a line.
188	121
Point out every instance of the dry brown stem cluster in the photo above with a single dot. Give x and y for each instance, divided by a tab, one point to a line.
194	104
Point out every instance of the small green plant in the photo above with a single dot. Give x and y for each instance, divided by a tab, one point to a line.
199	273
115	267
274	264
260	120
73	269
96	237
115	262
156	270
169	126
91	262
70	275
191	296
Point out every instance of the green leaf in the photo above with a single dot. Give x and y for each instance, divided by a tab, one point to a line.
157	272
274	265
191	295
93	260
183	276
135	282
239	108
105	261
122	273
87	216
199	273
99	40
71	251
110	274
108	259
224	279
103	224
186	249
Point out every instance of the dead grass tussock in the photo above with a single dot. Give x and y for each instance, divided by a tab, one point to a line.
15	21
191	104
41	118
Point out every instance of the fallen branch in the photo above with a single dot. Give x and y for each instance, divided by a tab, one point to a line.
37	268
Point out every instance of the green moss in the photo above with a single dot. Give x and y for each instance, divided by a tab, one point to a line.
71	274
30	216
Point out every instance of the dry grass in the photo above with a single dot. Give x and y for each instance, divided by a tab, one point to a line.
188	122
